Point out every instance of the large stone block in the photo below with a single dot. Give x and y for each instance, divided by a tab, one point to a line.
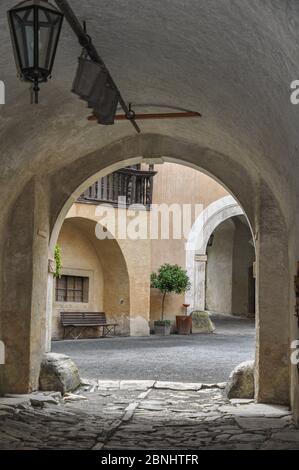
139	326
241	381
201	323
58	373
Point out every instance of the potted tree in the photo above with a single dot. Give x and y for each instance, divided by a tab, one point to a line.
168	279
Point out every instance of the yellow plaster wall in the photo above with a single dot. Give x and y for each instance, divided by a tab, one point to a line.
123	266
79	259
177	184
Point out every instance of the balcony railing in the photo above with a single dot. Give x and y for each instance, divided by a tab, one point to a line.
133	185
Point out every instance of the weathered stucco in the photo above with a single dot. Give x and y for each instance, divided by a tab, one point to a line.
125	264
83	253
203	228
234	62
229	274
220	269
177	184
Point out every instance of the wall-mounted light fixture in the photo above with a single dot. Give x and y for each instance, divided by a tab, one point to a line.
35	27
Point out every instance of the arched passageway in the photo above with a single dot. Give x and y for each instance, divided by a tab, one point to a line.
231	62
230	283
196	248
264	214
122	284
99	267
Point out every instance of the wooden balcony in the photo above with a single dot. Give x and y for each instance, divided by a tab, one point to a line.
133	185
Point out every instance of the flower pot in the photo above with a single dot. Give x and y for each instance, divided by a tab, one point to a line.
184	324
162	328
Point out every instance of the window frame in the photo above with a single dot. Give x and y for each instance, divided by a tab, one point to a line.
67	293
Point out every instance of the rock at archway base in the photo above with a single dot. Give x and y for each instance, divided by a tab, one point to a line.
202	323
241	381
58	373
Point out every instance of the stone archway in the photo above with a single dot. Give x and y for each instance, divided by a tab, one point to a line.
263	213
247	139
102	263
196	248
126	273
46	205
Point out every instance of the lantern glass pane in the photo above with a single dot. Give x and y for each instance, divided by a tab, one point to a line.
49	26
23	25
30	45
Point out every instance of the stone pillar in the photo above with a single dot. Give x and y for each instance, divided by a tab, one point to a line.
137	255
200	266
49	311
273	309
196	269
294	255
24	288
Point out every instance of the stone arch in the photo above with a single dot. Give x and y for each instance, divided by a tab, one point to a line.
118	255
45	206
109	258
230	279
153	148
208	220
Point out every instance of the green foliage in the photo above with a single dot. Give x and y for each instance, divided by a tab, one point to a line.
163	323
170	278
58	262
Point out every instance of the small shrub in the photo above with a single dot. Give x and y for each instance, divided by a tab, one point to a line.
170	278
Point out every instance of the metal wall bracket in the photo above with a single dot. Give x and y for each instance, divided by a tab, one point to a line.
85	41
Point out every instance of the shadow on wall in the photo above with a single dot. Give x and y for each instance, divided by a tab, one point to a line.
98	268
230	283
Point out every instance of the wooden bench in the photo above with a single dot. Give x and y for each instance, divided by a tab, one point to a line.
73	320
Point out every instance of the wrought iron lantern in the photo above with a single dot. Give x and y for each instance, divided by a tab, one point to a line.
35	29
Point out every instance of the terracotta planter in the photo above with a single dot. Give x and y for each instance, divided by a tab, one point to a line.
184	324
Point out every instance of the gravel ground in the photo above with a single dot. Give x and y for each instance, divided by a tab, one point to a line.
194	358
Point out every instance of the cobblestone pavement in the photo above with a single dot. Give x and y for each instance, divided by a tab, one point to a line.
143	415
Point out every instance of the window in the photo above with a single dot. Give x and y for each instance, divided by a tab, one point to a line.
72	289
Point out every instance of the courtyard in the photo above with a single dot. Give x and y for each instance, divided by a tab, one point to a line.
152	180
150	393
196	358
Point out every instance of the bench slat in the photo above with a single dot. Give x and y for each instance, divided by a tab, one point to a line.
84	319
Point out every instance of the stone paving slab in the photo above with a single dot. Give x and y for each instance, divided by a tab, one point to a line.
14	401
256	410
108	384
136	384
139	415
260	423
178	386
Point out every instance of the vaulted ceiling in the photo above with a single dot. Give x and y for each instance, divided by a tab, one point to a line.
232	60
